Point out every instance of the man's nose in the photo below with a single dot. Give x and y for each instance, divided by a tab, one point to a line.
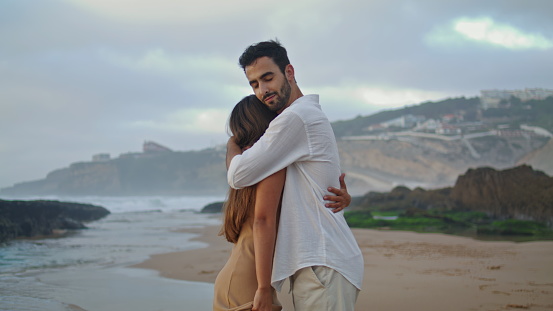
263	89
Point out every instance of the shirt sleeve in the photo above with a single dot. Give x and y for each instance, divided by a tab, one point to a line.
284	142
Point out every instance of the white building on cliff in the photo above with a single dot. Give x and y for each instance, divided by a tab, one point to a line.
492	98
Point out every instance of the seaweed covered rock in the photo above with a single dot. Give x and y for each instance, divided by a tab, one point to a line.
519	193
401	198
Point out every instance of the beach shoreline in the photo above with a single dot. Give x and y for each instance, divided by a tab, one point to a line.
89	269
408	271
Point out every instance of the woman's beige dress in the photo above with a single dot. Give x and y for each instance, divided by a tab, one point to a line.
236	283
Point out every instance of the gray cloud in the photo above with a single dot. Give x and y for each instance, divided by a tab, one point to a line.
81	77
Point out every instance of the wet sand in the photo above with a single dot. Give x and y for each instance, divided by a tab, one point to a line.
411	271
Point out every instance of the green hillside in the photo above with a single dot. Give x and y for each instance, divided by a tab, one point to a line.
428	109
532	112
513	111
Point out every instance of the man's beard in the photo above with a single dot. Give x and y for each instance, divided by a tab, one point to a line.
283	96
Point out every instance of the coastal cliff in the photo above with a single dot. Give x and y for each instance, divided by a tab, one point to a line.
427	145
382	164
540	159
173	173
370	165
43	218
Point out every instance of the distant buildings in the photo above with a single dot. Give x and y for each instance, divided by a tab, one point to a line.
448	129
101	157
406	121
459	123
149	148
449	124
429	125
153	147
492	98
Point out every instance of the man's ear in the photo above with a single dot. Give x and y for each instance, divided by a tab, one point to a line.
289	73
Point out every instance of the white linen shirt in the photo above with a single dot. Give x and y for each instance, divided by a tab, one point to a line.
309	234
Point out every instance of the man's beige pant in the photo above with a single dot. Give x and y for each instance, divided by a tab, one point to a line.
321	288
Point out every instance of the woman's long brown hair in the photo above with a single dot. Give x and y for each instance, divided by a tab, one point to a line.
248	121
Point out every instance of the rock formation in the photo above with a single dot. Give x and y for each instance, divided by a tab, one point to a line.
42	218
215	207
519	193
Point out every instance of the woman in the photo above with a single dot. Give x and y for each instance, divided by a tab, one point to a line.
251	216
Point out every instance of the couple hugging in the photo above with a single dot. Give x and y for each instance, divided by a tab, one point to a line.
283	166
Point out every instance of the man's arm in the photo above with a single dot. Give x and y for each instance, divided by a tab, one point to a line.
284	143
232	150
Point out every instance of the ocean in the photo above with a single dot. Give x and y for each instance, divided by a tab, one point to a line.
88	268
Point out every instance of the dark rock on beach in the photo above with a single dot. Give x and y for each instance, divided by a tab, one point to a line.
43	218
215	207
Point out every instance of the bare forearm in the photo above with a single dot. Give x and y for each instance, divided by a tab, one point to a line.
267	200
268	193
264	233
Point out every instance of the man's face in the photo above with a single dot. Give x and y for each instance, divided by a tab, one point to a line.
269	83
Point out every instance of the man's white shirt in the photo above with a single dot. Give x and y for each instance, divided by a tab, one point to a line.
309	234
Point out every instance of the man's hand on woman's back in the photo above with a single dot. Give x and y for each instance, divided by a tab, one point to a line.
341	199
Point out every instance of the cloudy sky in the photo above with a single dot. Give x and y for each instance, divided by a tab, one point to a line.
81	77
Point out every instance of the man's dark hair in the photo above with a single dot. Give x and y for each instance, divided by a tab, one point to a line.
272	49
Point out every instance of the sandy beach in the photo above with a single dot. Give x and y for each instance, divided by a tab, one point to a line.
411	271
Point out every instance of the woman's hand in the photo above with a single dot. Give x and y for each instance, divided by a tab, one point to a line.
341	199
263	299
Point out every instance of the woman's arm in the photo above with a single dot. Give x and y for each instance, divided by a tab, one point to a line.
267	201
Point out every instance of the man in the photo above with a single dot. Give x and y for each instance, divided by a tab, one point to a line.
314	248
